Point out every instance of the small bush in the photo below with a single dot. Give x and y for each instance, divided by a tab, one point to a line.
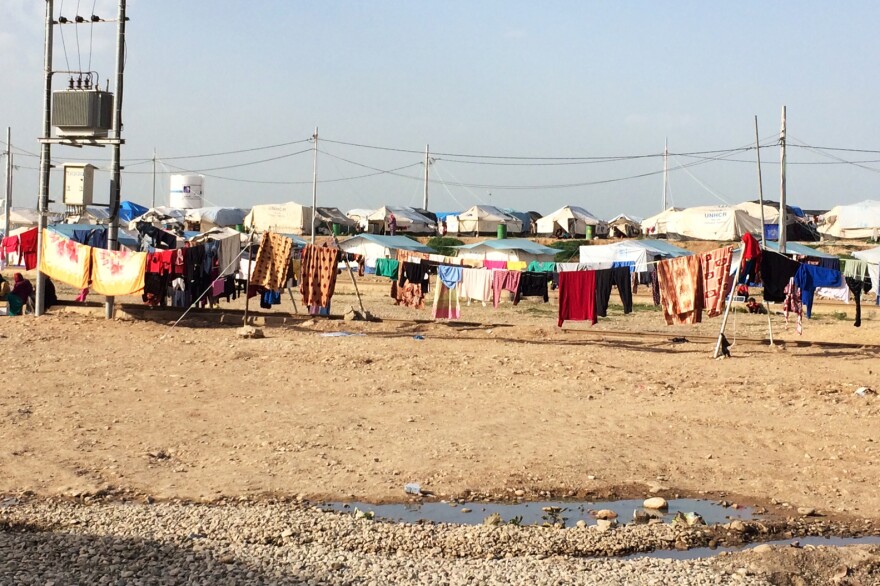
569	249
444	245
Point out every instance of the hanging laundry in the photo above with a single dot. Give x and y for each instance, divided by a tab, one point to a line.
681	289
27	245
857	287
621	277
792	304
230	249
273	261
319	269
717	280
65	260
855	268
541	267
446	303
387	267
10	248
840	292
495	264
776	272
475	284
270	298
750	263
577	296
532	284
808	278
517	265
504	280
449	276
603	291
118	272
415	273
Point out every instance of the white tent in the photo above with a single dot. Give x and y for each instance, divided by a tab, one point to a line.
408	220
656	225
572	220
375	246
212	217
859	220
627	226
282	218
721	223
637	252
159	216
482	220
872	257
507	249
20	217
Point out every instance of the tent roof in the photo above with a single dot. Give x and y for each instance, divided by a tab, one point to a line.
661	247
397	242
128	210
124	237
797	248
333	216
575	212
872	255
401	213
624	218
482	212
511	244
217	215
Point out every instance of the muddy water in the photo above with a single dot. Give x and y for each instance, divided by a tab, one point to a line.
534	513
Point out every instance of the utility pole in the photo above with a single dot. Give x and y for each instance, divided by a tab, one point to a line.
760	184
154	177
427	163
665	175
315	185
7	204
45	156
116	135
782	206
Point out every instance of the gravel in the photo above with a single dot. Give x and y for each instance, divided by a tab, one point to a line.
61	542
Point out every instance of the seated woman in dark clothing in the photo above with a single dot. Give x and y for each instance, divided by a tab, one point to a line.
22	292
51	297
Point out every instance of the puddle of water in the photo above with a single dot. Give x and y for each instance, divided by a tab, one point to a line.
532	513
706	552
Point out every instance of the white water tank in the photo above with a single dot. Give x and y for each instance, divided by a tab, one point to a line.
186	191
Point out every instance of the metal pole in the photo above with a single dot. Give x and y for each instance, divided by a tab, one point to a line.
726	312
760	184
247	287
45	156
116	133
782	207
7	205
154	177
427	162
666	174
315	185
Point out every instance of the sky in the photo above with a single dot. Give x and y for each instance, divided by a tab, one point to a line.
524	105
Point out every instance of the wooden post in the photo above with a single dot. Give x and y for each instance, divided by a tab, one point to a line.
247	299
353	281
727	312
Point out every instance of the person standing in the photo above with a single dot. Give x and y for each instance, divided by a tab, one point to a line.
392	223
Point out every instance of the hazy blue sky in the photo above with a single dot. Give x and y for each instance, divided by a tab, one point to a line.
549	79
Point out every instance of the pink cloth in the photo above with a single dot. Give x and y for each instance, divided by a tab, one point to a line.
218	287
577	296
504	281
494	264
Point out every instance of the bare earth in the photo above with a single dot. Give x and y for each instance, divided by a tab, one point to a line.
195	412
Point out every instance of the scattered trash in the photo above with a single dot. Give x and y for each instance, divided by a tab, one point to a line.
413	488
865	391
359	514
493	520
679	340
688	519
8	502
339	334
418	337
249	332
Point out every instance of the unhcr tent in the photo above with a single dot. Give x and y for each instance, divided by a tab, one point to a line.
859	220
720	223
656	225
408	220
572	220
507	249
375	246
482	220
282	218
213	217
637	252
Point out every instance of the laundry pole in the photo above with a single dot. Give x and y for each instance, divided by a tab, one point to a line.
727	311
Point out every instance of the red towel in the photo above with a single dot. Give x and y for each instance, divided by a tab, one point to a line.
577	296
28	247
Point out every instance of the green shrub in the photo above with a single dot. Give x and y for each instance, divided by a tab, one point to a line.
444	245
569	249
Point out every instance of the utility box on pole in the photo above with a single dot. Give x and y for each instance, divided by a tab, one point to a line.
78	184
82	113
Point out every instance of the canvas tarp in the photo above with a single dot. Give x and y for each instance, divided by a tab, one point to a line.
216	216
482	220
408	220
507	249
375	246
859	220
281	218
718	223
572	220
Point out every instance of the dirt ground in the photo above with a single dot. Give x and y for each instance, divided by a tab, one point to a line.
196	412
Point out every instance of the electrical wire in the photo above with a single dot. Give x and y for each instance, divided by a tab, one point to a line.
61	30
249	150
91	33
76	30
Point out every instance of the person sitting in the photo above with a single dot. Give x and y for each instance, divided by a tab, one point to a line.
22	293
51	296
